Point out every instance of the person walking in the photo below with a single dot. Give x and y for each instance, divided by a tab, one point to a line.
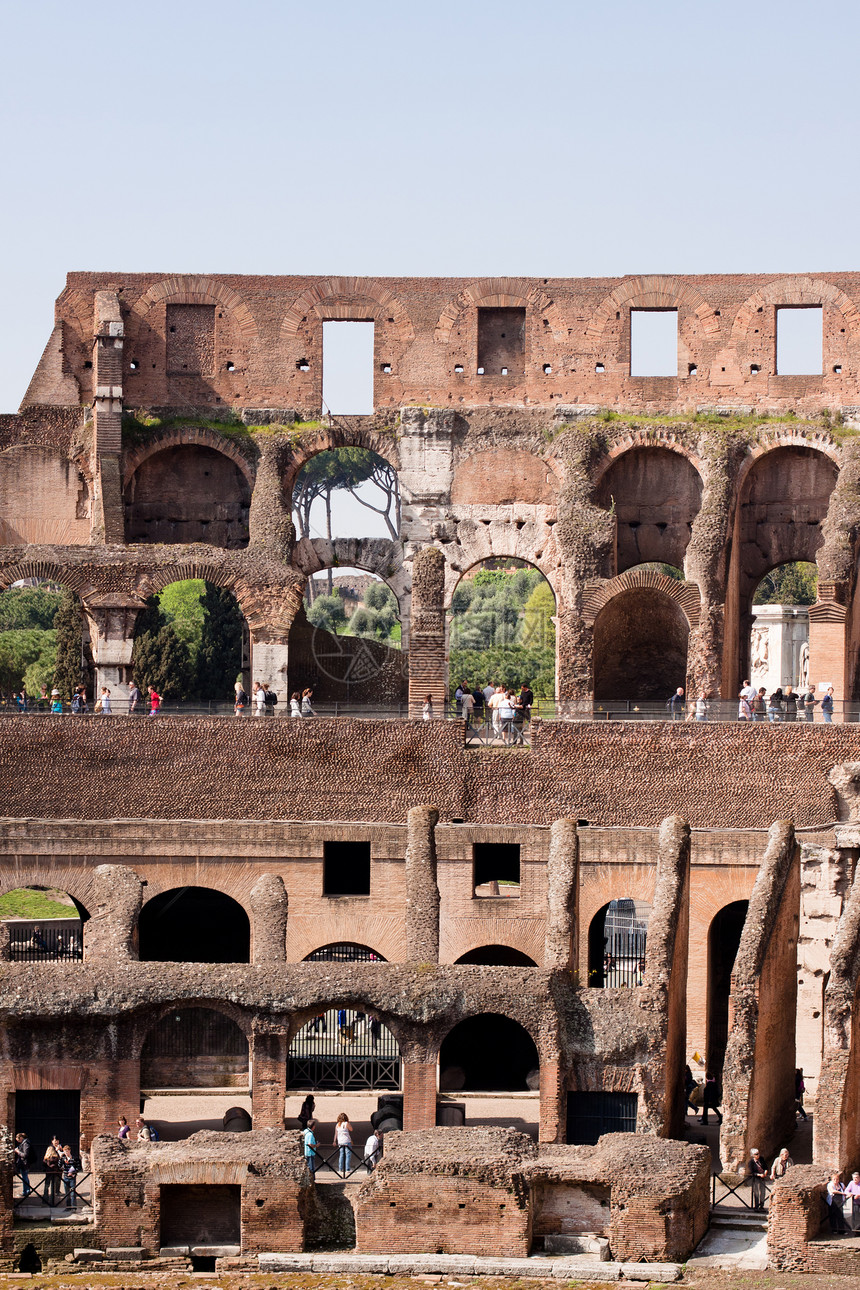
758	1174
53	1170
343	1141
774	705
427	708
372	1150
702	707
309	1141
240	699
104	700
23	1151
745	711
259	697
809	701
675	704
135	701
155	701
835	1203
306	1110
123	1131
307	706
143	1133
789	700
711	1098
799	1090
759	705
827	705
853	1190
295	704
56	701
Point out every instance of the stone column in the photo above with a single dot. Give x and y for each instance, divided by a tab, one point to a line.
108	524
7	1173
5	942
269	664
419	1095
268	1077
110	935
428	666
111	620
270	521
269	905
553	1125
560	948
422	890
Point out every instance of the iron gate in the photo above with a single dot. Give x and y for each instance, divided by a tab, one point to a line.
344	1050
589	1115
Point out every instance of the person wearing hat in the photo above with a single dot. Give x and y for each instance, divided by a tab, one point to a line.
56	701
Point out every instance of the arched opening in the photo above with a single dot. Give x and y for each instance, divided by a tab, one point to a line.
724	937
344	1050
194	925
501	628
345	642
344	952
346	492
488	1054
44	924
497	956
191	644
656	495
188	493
617	940
640	646
779	638
195	1048
783	503
44	646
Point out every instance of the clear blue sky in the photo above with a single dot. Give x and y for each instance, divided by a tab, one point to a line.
553	138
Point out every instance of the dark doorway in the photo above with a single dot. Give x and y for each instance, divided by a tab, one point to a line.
201	1214
40	1113
194	925
344	952
346	868
497	956
195	1048
640	646
488	1054
590	1115
724	937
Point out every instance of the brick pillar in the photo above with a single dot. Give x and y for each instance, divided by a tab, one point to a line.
269	905
560	948
553	1100
7	1173
422	889
428	666
111	933
419	1095
108	523
268	1078
112	1090
828	637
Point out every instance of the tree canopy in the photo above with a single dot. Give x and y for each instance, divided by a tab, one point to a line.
788	584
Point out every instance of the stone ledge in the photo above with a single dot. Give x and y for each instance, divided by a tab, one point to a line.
568	1268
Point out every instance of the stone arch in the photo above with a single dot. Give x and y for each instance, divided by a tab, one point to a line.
647	437
655	494
76	882
158	1068
653	291
186	436
489	1051
474	547
338	434
343	952
268	605
499	293
403	1030
617	947
796	290
496	956
349	298
169	497
195	289
73	578
724	937
787	437
641	635
686	594
194	924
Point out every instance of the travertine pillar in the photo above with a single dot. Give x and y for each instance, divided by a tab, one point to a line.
560	950
422	890
428	668
269	907
111	932
111	619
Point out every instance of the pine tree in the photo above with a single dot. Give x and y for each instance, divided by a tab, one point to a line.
73	661
161	658
219	656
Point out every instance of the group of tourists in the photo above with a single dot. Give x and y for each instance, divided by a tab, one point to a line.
503	709
342	1140
79	704
59	1165
146	1132
263	700
755	704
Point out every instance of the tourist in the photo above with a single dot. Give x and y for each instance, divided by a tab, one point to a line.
23	1151
488	692
458	699
427	709
527	700
799	1090
21	700
69	1174
467	705
789	700
781	1165
758	1174
343	1141
259	697
519	718
372	1150
749	691
123	1128
53	1170
703	707
103	704
744	707
270	699
835	1203
79	701
240	700
827	705
689	1085
809	701
306	1111
711	1098
295	704
494	705
853	1190
155	701
143	1130
478	697
759	706
309	1140
134	698
506	716
774	705
675	704
307	707
56	701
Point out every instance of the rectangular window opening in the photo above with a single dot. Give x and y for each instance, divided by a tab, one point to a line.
799	340
348	368
501	342
653	342
590	1115
496	868
346	869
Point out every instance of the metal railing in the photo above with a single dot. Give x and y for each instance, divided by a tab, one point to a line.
47	943
719	1180
51	1192
331	1161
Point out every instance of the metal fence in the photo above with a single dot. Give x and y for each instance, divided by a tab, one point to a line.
344	1050
49	1191
330	1159
46	943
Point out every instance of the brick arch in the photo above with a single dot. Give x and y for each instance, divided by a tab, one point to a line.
402	1028
612	882
82	307
260	604
143	1020
76	882
472	552
541	1041
381	932
176	879
338	435
797	290
525	935
194	289
189	436
788	437
504	293
349	298
647	437
67	575
686	594
653	291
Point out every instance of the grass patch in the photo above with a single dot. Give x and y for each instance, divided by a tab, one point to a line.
24	902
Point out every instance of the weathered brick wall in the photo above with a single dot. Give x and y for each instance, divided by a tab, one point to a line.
719	776
796	1215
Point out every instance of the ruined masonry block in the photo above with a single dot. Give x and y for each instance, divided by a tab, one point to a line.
651	1271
